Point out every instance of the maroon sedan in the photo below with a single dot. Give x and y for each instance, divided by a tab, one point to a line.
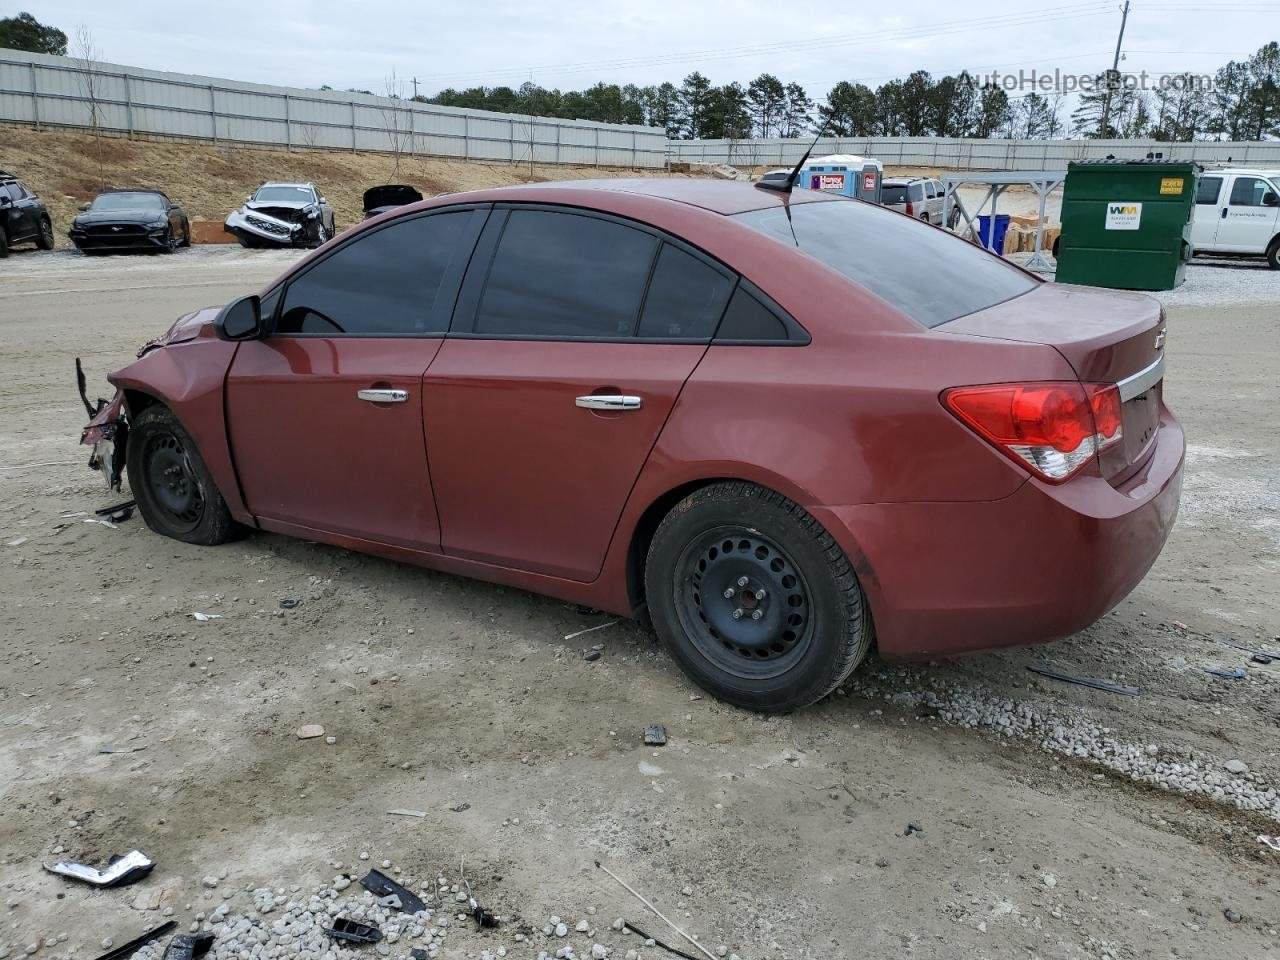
787	426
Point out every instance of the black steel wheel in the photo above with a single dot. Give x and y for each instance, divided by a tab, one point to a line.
754	598
173	487
45	240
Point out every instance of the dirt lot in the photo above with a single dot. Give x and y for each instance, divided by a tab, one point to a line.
778	837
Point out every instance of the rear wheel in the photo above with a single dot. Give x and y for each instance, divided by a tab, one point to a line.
4	244
754	599
924	217
45	240
173	487
1273	254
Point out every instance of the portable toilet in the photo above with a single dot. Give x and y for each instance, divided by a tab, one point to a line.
845	174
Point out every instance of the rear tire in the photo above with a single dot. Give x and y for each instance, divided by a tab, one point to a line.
787	637
173	487
4	244
924	217
45	240
1273	254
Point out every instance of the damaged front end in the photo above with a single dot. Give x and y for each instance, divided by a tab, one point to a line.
284	226
107	432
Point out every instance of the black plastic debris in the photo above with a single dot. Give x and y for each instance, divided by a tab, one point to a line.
121	869
658	943
1093	682
912	827
655	735
137	943
591	656
1245	648
348	931
380	885
481	916
1261	658
288	603
187	947
118	513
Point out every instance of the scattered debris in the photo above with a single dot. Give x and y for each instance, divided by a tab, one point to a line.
656	942
1225	674
1272	842
1261	658
349	931
310	731
591	655
656	912
1247	649
202	617
17	541
481	916
912	827
655	735
459	807
105	523
122	749
288	603
598	626
187	947
380	885
402	812
1094	682
118	513
137	943
121	869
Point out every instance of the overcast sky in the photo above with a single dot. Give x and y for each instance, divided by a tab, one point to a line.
573	43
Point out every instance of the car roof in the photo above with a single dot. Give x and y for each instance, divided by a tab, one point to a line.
286	183
1249	171
159	193
718	196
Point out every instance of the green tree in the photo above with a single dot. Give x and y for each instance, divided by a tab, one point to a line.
914	100
695	106
25	32
767	99
849	111
797	115
992	113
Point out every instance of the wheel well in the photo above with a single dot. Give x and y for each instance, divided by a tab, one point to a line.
135	401
647	526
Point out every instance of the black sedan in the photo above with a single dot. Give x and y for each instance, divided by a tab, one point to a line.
130	220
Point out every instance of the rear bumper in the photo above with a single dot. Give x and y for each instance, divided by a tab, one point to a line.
1038	565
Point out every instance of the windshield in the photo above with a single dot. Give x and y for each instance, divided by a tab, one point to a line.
928	273
283	195
128	201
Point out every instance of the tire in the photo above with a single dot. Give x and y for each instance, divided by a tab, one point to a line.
322	236
173	487
802	626
1273	254
924	217
4	244
247	243
45	238
170	242
186	234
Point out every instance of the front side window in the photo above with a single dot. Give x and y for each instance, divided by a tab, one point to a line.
1208	190
1249	191
883	252
565	275
383	283
16	192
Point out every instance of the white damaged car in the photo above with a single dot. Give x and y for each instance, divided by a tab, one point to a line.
283	215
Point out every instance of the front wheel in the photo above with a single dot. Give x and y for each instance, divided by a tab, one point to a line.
754	598
45	240
4	244
1273	254
169	479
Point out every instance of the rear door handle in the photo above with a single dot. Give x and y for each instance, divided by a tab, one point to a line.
383	396
1224	213
597	401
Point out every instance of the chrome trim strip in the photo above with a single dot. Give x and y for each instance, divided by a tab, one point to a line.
1142	381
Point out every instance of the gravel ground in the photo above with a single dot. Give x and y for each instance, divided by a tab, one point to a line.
964	808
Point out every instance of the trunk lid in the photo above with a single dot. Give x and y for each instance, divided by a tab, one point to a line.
1107	336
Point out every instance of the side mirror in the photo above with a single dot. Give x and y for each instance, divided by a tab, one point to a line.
323	200
240	319
1270	200
4	200
83	207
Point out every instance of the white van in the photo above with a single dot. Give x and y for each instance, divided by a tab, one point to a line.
1238	213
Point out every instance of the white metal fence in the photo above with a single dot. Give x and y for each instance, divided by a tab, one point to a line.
954	154
42	90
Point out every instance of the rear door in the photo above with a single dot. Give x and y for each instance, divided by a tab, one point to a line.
1204	222
1248	219
564	361
325	414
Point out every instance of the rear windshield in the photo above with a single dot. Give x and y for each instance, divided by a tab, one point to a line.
893	194
928	273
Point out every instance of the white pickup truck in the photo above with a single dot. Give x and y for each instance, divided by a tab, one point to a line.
1238	214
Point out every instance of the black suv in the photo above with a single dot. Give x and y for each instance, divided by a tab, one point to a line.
22	216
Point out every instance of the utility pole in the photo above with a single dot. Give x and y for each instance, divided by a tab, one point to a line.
1114	76
415	88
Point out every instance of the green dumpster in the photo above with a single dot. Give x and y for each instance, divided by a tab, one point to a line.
1127	223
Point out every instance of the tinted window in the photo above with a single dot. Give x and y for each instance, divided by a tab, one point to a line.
563	275
128	201
384	282
915	192
928	274
1207	191
893	194
749	319
928	189
1249	191
15	190
686	297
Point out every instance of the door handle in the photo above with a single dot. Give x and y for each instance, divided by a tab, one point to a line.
383	396
1224	213
615	402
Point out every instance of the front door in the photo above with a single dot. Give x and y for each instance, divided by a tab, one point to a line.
564	363
325	414
1248	219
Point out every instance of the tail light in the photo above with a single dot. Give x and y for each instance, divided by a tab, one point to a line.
911	210
1053	429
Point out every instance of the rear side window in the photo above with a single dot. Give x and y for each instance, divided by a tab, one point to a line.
565	275
686	298
15	190
915	192
893	194
384	283
748	320
1208	190
930	275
